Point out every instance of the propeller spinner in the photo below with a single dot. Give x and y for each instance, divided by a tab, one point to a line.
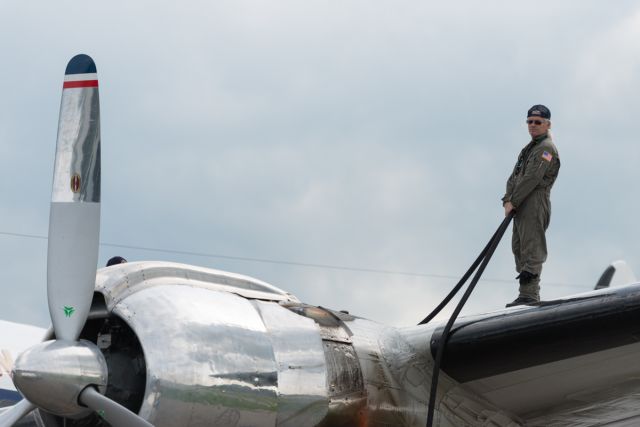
66	376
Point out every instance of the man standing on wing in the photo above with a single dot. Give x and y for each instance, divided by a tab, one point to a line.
528	195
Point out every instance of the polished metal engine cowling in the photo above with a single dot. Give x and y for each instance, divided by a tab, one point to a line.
214	357
228	350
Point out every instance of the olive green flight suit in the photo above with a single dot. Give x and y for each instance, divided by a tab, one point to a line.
529	190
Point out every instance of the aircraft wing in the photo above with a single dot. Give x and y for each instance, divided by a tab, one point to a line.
574	361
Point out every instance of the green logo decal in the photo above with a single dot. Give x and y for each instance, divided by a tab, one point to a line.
68	311
101	413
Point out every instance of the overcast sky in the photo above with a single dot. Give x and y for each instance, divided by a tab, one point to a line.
361	134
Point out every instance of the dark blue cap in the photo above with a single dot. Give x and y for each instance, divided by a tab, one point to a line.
81	64
116	260
539	111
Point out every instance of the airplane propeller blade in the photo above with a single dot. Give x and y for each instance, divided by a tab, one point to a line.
621	270
74	220
116	414
52	373
15	413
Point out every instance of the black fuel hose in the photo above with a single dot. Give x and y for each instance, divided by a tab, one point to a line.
462	281
484	258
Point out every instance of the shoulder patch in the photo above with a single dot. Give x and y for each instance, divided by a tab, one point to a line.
547	156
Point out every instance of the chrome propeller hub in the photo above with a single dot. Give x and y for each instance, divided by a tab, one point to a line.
52	375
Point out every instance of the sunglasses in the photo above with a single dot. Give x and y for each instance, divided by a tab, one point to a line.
534	122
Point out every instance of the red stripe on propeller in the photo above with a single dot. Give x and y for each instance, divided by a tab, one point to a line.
80	83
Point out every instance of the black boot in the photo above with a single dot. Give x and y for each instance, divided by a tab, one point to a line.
525	278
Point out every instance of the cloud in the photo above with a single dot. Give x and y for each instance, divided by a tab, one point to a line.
609	66
365	135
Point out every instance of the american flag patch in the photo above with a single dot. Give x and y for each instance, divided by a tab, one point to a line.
547	156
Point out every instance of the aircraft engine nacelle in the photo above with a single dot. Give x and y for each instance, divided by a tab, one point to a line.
220	349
